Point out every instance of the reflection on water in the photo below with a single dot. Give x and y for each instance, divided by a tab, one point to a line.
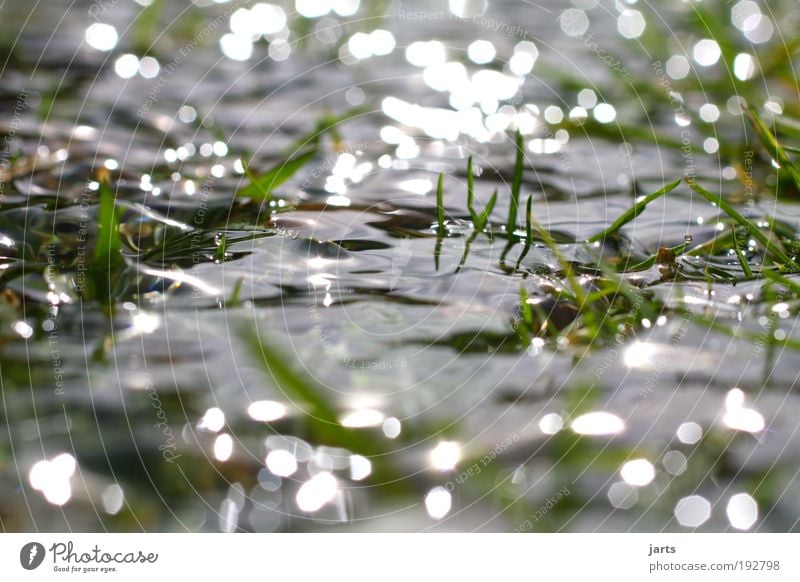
159	415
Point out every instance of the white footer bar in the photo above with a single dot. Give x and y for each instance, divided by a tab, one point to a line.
400	557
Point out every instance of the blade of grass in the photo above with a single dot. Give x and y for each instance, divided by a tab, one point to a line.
528	221
790	285
471	193
303	390
464	256
144	26
321	415
528	230
261	187
633	212
487	211
222	247
646	264
107	255
327	124
516	186
440	230
773	146
236	293
107	259
752	228
524	326
740	255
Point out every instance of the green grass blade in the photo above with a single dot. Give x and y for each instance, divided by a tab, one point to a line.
751	228
471	193
261	187
773	146
296	387
107	255
302	390
484	217
516	186
528	231
790	285
219	254
528	220
647	263
633	212
740	255
144	26
236	293
440	231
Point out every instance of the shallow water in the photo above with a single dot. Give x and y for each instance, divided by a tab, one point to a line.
146	420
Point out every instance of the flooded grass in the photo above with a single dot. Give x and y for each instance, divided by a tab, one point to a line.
321	273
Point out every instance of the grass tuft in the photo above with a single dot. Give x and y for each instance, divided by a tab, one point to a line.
262	186
753	229
633	212
773	146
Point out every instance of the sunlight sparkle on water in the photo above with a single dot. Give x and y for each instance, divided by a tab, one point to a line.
425	53
419	186
52	478
102	37
574	22
23	329
598	423
678	67
738	416
693	511
266	410
551	423
213	420
742	511
392	428
631	23
236	47
438	502
316	492
145	322
674	462
313	8
223	447
362	418
690	433
445	456
360	467
706	52
113	498
639	472
639	355
481	52
281	463
377	43
744	66
468	8
126	66
622	495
